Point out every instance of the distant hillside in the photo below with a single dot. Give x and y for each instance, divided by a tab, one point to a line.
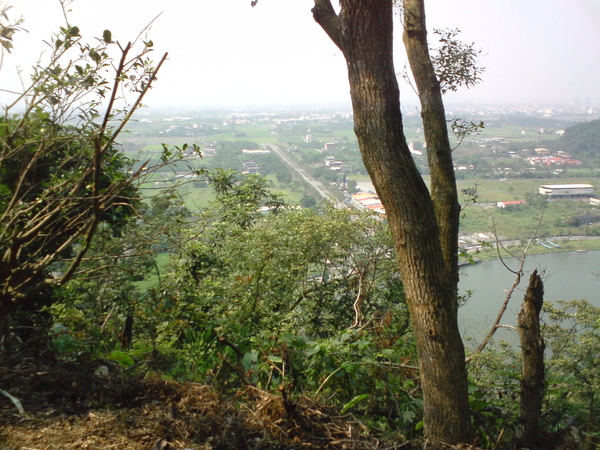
581	141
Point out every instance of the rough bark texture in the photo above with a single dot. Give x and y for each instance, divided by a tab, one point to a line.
433	114
363	31
532	351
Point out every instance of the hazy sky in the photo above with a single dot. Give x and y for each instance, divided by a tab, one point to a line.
224	52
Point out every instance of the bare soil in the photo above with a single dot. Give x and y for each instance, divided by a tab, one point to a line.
70	405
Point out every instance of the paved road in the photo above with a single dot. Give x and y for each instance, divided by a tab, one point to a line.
320	188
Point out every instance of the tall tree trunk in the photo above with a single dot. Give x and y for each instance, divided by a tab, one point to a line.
433	114
363	31
532	370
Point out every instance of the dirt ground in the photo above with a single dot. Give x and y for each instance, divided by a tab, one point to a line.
77	405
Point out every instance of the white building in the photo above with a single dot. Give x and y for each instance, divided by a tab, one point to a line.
258	151
566	190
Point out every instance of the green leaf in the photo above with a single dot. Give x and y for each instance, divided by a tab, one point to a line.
250	359
107	36
316	349
354	401
120	357
95	56
408	415
275	359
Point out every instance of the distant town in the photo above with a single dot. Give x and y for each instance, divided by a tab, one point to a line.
515	160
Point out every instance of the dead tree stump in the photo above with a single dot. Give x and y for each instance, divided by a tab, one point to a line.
532	371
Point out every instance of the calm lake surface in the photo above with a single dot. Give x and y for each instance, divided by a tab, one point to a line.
566	275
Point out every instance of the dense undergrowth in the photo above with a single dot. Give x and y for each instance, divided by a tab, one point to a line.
283	329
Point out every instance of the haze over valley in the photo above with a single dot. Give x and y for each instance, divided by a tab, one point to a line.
249	224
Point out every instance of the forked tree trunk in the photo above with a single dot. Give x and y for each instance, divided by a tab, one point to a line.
532	370
363	31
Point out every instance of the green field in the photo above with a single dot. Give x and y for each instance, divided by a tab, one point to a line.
493	190
557	219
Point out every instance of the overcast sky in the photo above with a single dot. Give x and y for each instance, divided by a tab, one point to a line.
224	52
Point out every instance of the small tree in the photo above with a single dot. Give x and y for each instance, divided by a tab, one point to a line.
62	174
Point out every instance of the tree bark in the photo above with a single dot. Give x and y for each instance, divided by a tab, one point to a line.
126	334
363	31
433	114
532	370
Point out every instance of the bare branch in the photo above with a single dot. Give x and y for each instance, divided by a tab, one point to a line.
518	275
60	177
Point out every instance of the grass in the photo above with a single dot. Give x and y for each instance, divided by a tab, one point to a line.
520	222
490	254
494	190
196	199
161	259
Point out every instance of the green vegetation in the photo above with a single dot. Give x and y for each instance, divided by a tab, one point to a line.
143	268
571	335
294	302
582	140
516	223
299	302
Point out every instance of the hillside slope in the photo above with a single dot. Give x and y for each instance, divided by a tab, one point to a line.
582	141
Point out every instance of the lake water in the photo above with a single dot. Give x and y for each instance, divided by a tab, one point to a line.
566	275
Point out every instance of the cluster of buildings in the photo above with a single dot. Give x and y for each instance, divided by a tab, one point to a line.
258	151
544	158
511	203
368	200
251	167
553	161
332	163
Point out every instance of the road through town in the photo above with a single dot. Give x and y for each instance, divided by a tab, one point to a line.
319	187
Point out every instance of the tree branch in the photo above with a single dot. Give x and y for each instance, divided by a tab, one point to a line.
325	15
518	275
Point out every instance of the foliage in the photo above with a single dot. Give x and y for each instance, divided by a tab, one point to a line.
8	28
493	390
256	293
296	299
102	304
240	200
308	201
268	299
455	62
293	268
581	140
462	128
63	178
537	201
571	335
